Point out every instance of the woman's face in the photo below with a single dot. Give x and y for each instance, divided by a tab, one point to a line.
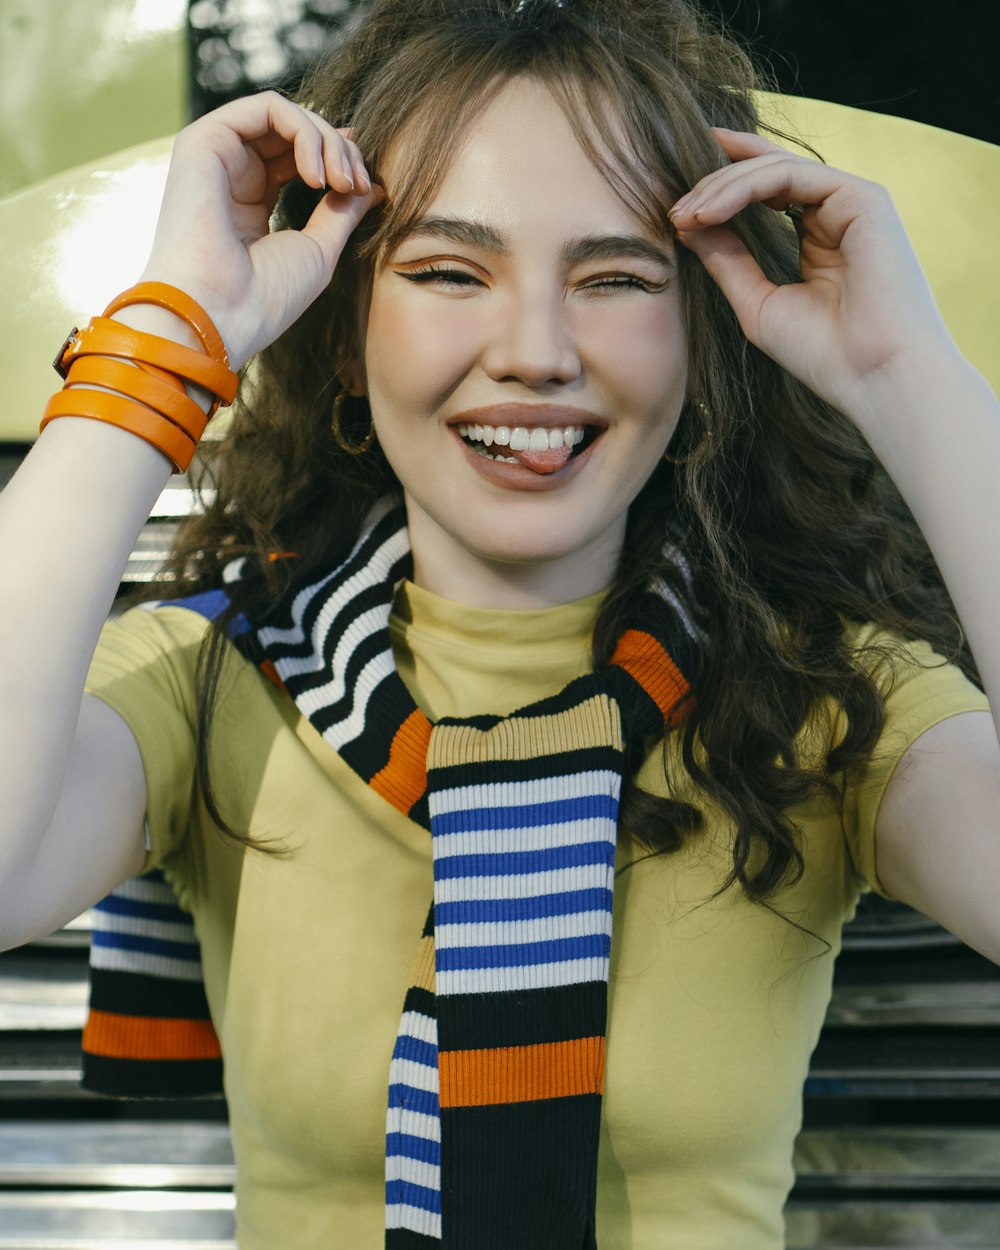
525	360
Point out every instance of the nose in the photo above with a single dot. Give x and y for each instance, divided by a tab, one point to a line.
533	341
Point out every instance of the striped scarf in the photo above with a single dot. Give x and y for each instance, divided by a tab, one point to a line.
497	1073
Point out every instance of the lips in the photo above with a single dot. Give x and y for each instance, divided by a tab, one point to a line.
540	437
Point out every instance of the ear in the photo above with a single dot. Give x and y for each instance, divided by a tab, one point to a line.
351	377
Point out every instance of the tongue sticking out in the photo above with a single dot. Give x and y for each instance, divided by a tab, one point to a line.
548	461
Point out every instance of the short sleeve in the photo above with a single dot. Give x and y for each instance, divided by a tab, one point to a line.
921	689
144	668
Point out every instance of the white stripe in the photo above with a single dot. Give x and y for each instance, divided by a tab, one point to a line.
413	1124
350	727
511	932
521	793
116	960
374	572
401	1168
233	571
107	922
529	977
399	1215
416	1024
141	890
360	629
414	1075
525	838
526	885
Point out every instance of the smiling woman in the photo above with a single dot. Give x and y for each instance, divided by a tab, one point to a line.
549	542
549	311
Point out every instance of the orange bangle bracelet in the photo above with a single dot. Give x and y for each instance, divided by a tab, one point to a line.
182	305
131	382
103	337
126	414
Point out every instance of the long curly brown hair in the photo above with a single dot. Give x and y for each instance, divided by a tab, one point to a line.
789	528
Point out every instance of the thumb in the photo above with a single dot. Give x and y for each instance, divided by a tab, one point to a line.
734	271
335	217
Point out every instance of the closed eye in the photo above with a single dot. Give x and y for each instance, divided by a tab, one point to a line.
622	282
433	273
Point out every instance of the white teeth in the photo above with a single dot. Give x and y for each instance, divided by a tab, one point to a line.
519	438
488	455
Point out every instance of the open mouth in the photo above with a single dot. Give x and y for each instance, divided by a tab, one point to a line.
544	449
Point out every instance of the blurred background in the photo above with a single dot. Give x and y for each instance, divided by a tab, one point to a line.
78	81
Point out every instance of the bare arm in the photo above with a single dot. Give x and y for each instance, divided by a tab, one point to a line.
936	834
70	770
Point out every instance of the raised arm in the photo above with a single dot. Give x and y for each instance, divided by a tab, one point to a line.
70	770
862	331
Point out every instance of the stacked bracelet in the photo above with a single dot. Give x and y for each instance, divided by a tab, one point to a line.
142	376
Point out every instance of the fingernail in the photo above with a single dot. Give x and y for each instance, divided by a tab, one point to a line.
364	182
345	164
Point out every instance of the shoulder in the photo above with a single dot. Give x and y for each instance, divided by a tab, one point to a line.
920	686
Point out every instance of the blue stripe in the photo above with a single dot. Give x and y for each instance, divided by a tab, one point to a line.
115	905
415	1050
189	951
399	1192
528	816
493	910
514	863
410	1147
422	1101
559	950
211	604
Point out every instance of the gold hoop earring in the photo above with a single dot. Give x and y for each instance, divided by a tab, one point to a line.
352	449
706	437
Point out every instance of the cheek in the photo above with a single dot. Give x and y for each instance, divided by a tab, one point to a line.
644	356
413	349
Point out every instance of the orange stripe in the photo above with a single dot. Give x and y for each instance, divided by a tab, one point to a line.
404	779
271	673
137	1037
642	657
482	1078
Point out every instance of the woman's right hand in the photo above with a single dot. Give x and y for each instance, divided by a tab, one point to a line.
212	237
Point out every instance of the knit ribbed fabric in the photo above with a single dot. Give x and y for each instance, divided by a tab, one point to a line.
496	1077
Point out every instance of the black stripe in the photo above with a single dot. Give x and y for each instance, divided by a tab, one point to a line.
403	1239
371	597
522	1017
421	1000
136	994
521	1175
152	1078
388	707
566	764
301	683
353	562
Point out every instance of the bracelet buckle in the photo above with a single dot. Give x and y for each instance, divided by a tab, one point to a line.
61	364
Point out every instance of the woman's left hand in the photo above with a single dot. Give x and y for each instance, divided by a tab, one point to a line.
863	307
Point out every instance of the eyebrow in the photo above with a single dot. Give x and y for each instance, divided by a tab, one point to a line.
585	248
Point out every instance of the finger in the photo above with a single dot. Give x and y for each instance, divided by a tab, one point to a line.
739	145
343	162
775	180
333	219
734	270
362	179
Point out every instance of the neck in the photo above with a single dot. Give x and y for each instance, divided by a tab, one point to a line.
447	568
